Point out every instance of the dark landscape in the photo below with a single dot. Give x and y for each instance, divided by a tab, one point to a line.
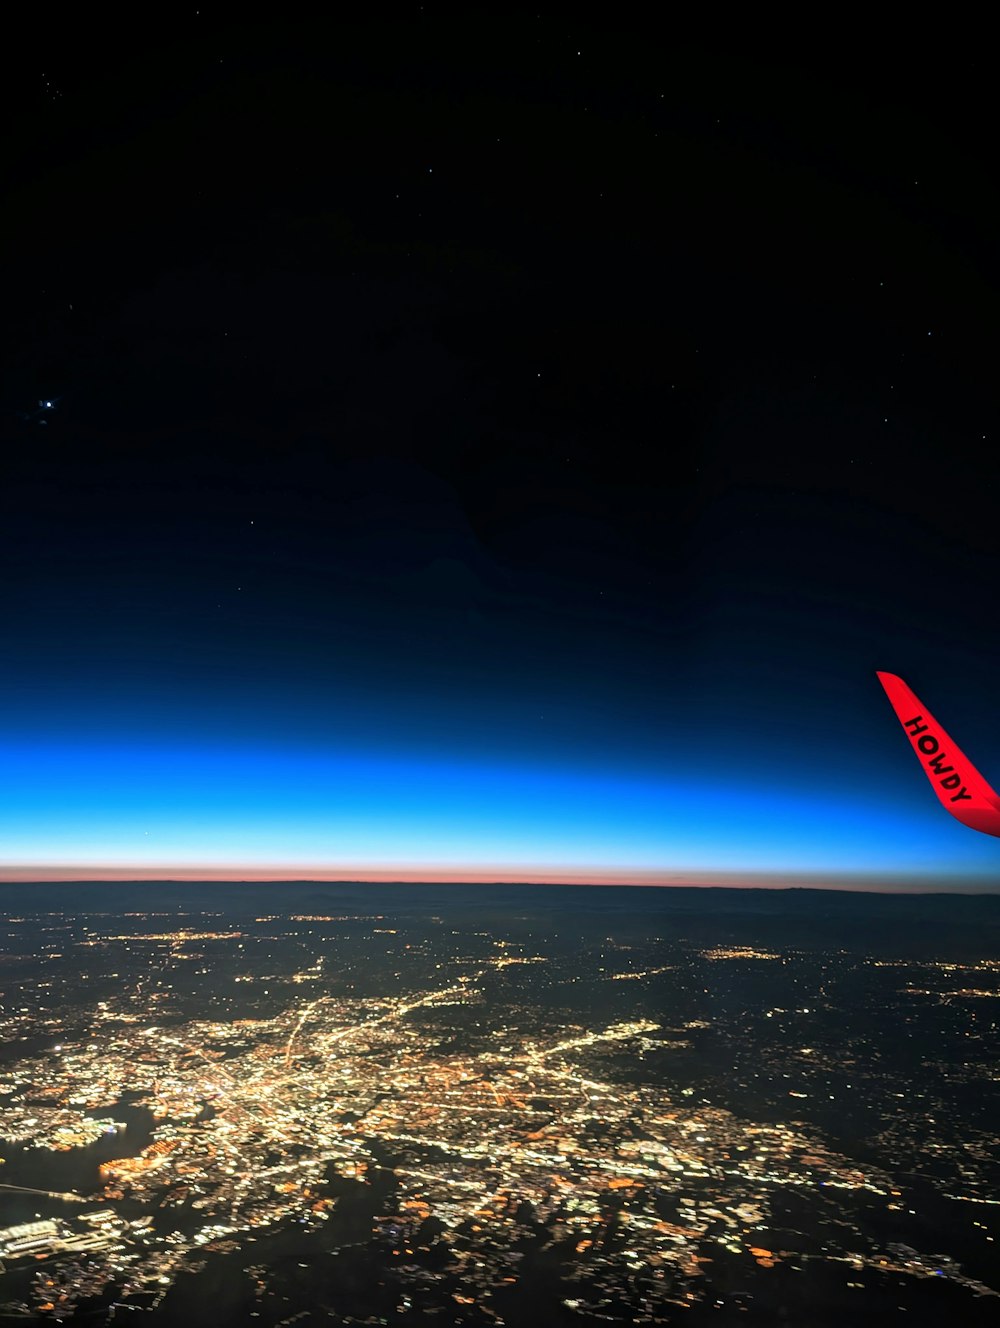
363	1104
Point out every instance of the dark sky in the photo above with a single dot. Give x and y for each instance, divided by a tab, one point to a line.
508	398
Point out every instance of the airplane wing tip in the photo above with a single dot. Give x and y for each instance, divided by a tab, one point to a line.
964	792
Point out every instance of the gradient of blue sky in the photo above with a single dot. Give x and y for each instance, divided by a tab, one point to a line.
158	796
538	492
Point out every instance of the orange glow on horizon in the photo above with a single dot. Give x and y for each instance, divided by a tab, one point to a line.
499	875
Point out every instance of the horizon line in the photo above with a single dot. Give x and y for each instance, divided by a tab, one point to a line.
848	882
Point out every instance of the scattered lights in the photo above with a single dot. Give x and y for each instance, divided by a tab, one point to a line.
252	1110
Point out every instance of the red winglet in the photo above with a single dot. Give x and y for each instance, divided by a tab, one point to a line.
960	787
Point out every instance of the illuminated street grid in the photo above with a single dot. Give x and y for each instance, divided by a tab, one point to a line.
485	1110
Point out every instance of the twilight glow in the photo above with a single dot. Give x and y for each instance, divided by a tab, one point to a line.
160	809
535	495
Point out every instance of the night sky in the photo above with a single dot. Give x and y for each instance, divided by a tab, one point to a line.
495	447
